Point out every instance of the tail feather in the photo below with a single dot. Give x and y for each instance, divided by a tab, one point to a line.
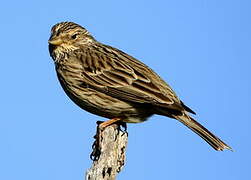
209	137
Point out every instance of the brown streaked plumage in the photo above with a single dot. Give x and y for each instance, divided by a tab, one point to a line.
108	82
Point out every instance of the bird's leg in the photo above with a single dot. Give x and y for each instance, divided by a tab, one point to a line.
104	124
96	147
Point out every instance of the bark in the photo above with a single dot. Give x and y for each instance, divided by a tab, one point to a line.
112	154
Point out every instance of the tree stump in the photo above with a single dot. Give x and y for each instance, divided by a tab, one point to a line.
112	154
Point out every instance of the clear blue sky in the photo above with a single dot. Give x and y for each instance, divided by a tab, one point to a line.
201	48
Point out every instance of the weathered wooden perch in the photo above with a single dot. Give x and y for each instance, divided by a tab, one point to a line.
112	156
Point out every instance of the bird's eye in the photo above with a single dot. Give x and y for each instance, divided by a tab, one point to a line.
57	34
74	36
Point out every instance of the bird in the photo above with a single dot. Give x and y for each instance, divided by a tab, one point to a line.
108	82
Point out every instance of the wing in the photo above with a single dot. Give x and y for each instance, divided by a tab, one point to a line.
119	75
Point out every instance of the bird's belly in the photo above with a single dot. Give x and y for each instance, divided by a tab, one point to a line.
106	106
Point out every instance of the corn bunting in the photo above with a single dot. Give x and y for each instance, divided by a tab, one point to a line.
110	83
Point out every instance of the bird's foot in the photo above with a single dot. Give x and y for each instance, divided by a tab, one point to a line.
124	127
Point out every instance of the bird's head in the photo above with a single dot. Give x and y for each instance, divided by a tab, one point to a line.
67	36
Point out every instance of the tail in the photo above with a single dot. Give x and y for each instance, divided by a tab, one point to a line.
209	137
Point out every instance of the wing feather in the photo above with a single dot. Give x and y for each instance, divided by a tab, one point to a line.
119	75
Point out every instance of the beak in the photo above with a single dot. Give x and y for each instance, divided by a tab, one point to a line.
55	42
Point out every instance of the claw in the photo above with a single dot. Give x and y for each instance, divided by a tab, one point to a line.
123	125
